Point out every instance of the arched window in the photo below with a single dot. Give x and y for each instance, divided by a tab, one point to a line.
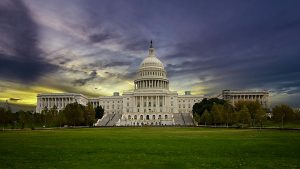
129	117
147	117
159	116
166	116
135	117
153	117
141	117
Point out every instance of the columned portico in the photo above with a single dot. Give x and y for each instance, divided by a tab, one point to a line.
233	96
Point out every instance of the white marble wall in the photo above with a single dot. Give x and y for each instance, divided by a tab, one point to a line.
59	100
234	96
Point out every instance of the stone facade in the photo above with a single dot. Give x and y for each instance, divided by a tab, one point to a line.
233	96
149	103
60	100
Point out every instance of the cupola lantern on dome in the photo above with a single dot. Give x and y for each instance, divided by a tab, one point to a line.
151	50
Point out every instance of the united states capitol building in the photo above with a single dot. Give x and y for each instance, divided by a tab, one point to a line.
149	103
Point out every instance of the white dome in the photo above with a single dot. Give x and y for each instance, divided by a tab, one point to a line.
151	61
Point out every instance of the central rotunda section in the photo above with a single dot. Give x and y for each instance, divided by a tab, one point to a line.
151	74
151	102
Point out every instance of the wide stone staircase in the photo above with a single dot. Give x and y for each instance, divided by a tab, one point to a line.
114	120
178	119
108	120
188	119
183	119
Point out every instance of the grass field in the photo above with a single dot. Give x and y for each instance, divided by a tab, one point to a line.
150	148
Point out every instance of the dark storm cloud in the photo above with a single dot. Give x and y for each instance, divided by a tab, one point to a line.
101	64
130	75
19	36
232	44
82	82
136	44
96	38
258	49
223	44
116	63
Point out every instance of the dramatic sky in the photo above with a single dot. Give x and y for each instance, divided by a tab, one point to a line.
94	47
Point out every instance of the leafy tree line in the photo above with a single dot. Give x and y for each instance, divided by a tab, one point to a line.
74	114
283	114
245	113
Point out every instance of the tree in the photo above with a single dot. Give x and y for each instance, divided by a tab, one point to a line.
253	107
206	104
228	111
74	113
217	114
3	117
29	119
61	118
197	119
282	113
44	114
206	118
261	116
89	115
99	112
244	116
52	116
297	114
22	118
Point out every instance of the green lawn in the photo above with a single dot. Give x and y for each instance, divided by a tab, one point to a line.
150	148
